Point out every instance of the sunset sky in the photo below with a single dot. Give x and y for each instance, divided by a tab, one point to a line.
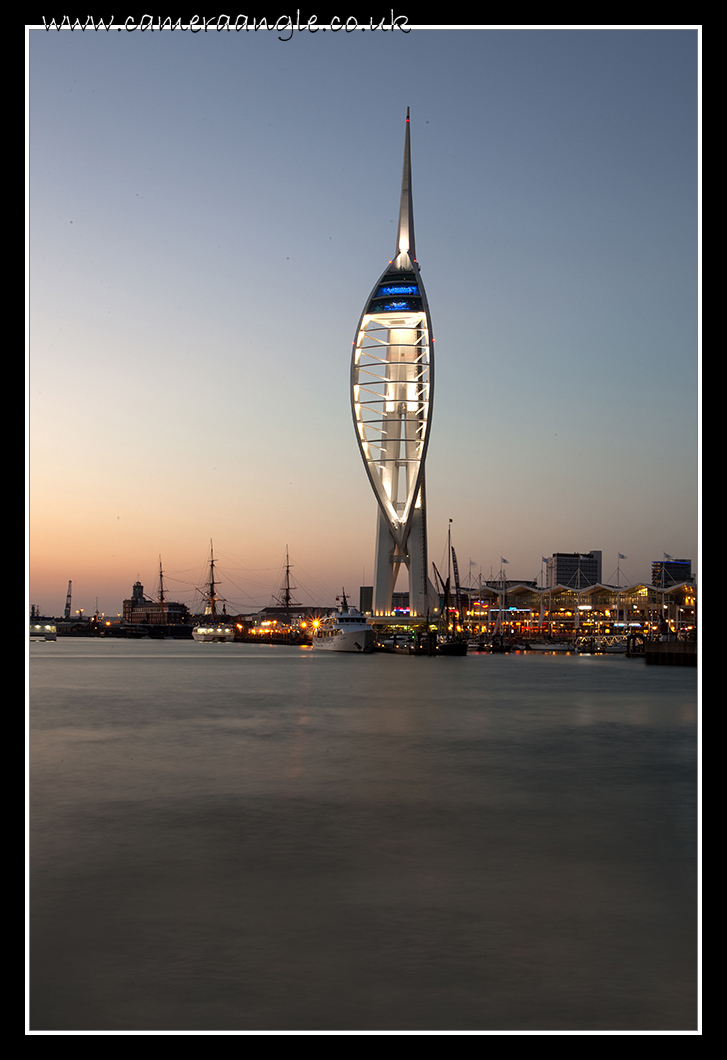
207	214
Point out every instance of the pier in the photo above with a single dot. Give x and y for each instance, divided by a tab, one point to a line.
671	652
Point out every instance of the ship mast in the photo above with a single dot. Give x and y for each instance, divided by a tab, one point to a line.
286	593
450	621
161	598
210	595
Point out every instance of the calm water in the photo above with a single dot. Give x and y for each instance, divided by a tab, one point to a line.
235	837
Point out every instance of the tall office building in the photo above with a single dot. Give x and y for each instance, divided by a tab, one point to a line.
574	569
668	571
392	384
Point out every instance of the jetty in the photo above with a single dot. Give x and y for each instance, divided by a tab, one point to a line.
671	652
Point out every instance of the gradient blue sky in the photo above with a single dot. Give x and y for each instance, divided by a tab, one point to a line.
207	214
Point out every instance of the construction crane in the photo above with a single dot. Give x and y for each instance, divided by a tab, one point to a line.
67	612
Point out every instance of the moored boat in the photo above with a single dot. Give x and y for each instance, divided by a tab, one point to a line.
213	632
452	646
345	629
549	646
43	631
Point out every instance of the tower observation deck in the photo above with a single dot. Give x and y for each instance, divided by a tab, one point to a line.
392	386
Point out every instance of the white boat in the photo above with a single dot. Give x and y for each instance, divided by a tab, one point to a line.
213	631
345	629
43	631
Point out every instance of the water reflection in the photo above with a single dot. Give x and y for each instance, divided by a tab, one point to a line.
270	839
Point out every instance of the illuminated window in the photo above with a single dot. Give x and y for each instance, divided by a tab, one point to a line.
399	288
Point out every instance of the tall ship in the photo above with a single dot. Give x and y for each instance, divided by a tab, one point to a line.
345	629
214	627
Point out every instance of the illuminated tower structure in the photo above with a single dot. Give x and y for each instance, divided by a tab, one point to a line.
392	387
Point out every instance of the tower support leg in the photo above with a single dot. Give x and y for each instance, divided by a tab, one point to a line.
385	568
389	558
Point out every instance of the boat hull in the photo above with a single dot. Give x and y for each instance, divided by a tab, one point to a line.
453	647
354	641
546	647
213	634
43	632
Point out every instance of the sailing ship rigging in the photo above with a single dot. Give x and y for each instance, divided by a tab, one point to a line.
214	628
451	640
209	593
285	598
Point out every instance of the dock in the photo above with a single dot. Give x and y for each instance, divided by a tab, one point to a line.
671	652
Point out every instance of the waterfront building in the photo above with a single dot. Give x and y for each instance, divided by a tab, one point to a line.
139	610
392	380
524	610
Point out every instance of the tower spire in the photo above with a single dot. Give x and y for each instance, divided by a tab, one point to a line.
392	382
405	249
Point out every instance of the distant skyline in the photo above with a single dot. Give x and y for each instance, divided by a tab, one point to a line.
207	214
